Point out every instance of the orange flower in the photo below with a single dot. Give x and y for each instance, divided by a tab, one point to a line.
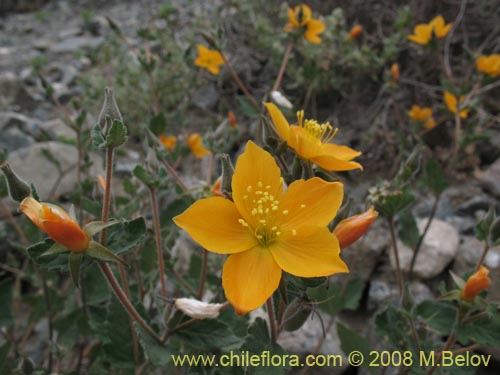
355	32
489	65
209	59
301	18
351	229
476	284
310	140
168	141
194	142
422	114
232	119
57	223
423	33
451	102
267	230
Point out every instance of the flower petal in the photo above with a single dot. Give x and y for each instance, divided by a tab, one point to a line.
250	278
62	229
255	170
332	163
314	28
311	252
213	223
279	121
33	209
450	101
310	202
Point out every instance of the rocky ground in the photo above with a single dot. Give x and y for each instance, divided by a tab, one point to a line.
57	38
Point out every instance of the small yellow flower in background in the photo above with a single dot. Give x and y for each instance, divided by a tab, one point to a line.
57	223
301	18
194	142
423	33
489	64
355	32
451	102
422	114
267	230
476	284
168	141
209	59
309	140
351	229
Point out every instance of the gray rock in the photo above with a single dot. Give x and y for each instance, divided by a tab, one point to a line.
439	248
206	97
13	94
490	177
57	128
31	165
385	289
14	138
75	43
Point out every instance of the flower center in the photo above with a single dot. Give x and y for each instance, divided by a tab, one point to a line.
322	133
265	210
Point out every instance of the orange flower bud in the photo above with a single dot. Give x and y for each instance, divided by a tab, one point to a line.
232	119
216	188
395	72
351	229
57	223
355	31
476	284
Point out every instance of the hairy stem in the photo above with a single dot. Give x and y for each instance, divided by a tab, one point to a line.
399	274
284	63
272	319
159	252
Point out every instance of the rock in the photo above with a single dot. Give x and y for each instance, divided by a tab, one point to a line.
362	256
439	248
31	165
489	178
56	128
385	289
13	94
75	43
13	139
206	97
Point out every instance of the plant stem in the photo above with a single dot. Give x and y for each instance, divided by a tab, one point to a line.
284	63
458	137
174	174
159	252
272	319
399	275
483	256
239	82
107	192
135	345
422	236
203	276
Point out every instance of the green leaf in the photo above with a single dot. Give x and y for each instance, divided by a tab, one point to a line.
392	325
74	262
144	176
350	341
158	355
97	136
56	262
208	334
332	301
433	177
117	134
158	124
246	106
408	229
4	351
483	226
96	250
96	226
484	331
440	316
126	236
93	207
54	249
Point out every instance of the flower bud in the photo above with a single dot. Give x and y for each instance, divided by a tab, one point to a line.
198	309
395	72
476	284
281	99
18	189
227	175
355	32
351	229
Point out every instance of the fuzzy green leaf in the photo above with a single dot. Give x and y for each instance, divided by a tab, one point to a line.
96	226
117	134
96	250
74	262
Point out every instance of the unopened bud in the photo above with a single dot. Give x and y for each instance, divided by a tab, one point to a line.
281	99
476	284
296	314
227	175
109	110
18	189
351	229
198	309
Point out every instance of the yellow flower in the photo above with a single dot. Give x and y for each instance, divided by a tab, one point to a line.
57	223
300	18
355	32
209	59
168	141
310	140
451	102
423	33
267	230
422	114
194	142
489	64
351	229
395	73
476	284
